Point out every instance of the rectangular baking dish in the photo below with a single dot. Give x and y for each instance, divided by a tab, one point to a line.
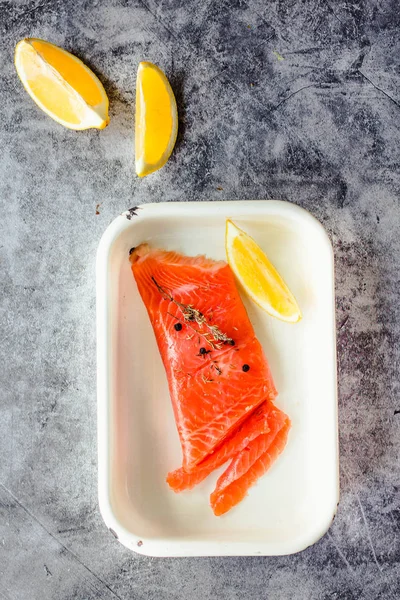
293	505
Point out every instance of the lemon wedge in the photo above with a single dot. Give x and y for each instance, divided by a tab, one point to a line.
156	124
61	85
258	276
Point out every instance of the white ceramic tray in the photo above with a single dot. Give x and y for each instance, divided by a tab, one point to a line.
293	505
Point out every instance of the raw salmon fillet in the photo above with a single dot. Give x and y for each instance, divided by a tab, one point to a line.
219	380
216	369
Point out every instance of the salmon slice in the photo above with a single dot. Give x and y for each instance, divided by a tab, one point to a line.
256	424
249	465
216	369
258	445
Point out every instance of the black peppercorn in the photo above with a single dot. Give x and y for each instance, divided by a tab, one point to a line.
178	326
245	368
202	351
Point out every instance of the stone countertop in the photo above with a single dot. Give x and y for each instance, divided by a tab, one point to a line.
295	100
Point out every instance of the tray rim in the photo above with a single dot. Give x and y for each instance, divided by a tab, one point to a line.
163	547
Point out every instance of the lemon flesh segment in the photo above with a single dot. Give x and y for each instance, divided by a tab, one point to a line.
258	276
156	122
61	85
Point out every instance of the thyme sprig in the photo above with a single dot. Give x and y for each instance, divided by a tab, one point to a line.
191	314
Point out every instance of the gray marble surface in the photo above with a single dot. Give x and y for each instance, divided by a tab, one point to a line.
295	100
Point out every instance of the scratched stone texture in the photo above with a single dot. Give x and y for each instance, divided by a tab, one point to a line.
295	100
